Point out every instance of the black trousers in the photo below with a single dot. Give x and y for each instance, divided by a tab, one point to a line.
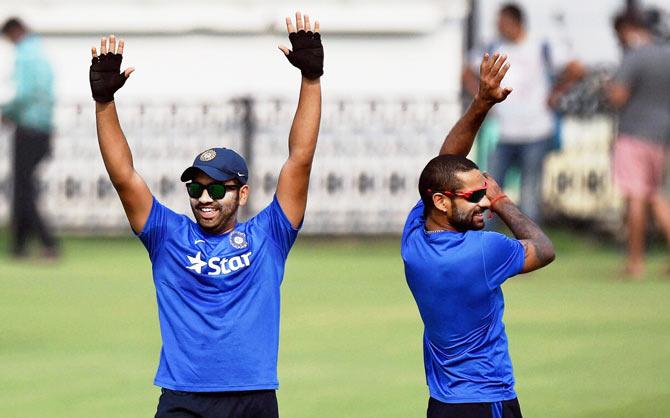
248	404
504	409
30	148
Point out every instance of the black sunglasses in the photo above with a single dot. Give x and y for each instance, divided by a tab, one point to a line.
215	190
472	196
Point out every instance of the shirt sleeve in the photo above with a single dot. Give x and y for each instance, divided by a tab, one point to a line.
627	72
503	258
416	212
273	221
154	232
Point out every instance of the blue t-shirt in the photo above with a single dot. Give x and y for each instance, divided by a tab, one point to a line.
218	299
455	279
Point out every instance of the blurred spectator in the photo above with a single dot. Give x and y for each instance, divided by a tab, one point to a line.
639	91
30	111
525	119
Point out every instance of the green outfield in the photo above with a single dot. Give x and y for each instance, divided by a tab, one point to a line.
80	338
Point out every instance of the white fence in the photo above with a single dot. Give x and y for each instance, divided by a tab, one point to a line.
364	178
366	170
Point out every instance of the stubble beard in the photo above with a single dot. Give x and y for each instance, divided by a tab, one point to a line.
227	212
464	221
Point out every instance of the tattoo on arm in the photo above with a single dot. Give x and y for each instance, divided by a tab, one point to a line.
534	240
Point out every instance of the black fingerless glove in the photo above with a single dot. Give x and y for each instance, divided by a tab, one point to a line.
307	54
106	77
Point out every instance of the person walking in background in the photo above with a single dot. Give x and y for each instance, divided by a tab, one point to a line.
639	90
526	123
217	279
455	271
31	113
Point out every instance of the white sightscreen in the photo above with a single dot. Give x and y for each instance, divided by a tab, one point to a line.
390	94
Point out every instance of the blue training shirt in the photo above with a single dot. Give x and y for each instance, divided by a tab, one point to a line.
218	299
455	279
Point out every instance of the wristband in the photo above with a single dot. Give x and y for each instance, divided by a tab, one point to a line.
495	199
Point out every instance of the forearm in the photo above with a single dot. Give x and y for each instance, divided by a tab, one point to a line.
461	137
305	127
525	229
114	148
293	181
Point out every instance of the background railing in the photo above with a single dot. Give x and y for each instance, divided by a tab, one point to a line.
368	160
367	164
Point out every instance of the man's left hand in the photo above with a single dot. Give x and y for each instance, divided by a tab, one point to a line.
493	190
491	72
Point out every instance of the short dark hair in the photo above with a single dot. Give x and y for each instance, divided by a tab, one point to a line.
628	18
514	11
12	24
440	175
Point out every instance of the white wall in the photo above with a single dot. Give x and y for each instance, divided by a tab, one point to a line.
390	52
372	48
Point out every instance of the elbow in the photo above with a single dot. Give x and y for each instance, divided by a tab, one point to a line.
120	184
302	159
548	253
550	257
121	181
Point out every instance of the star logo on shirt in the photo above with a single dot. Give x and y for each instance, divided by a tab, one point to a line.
196	263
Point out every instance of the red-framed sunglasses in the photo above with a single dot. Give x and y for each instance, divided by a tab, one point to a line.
472	196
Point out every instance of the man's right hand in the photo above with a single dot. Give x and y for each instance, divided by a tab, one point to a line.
493	190
491	72
105	72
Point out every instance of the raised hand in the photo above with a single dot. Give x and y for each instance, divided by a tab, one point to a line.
105	72
491	72
307	53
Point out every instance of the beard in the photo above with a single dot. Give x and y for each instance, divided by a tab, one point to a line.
216	217
467	221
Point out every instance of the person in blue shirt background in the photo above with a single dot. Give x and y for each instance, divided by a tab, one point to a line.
217	280
454	270
31	112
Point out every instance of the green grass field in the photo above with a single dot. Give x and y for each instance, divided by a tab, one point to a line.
80	338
